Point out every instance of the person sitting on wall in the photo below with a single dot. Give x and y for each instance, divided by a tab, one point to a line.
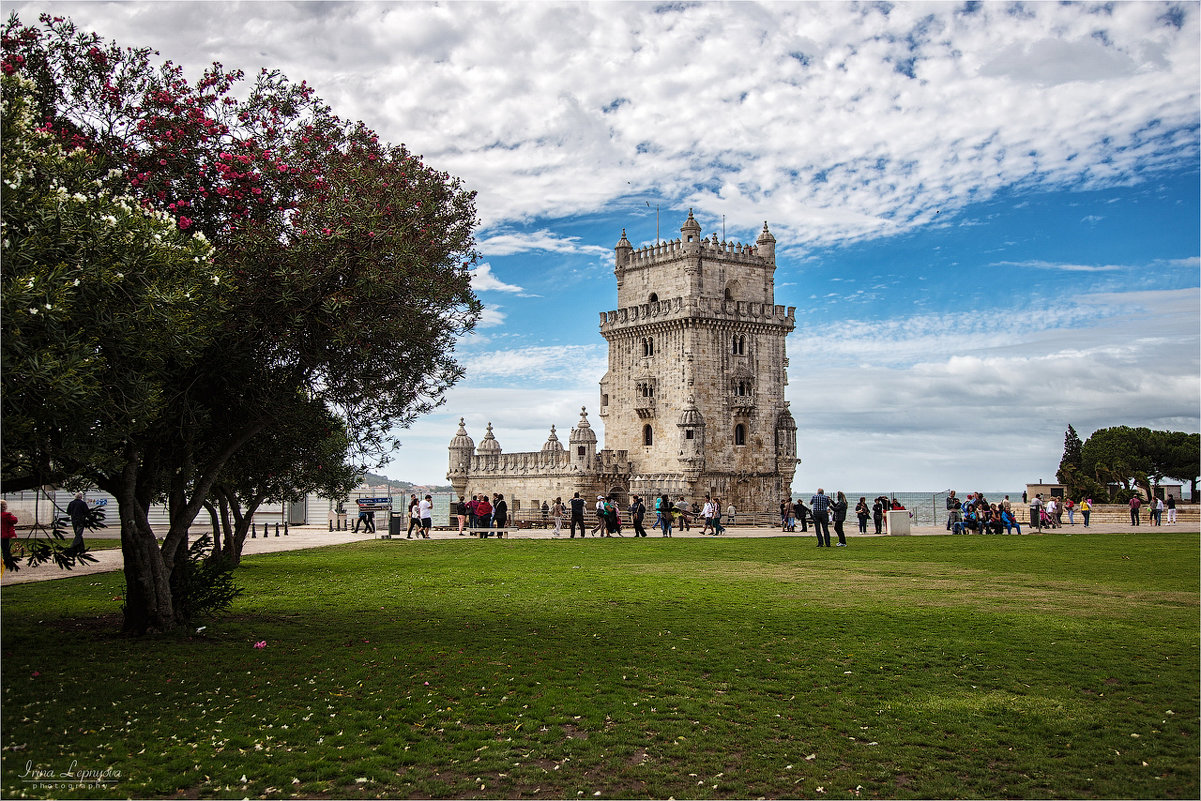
1010	522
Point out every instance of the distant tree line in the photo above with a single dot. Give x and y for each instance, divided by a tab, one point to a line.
1115	463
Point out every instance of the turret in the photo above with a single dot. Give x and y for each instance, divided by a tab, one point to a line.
489	450
552	451
690	231
622	252
582	441
692	437
765	245
461	448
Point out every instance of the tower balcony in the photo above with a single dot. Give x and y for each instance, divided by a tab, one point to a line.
645	407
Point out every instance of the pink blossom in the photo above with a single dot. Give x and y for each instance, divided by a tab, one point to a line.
185	223
261	644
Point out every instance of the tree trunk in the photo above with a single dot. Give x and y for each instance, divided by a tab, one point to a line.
149	604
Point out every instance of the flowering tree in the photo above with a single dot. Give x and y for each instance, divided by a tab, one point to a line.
340	265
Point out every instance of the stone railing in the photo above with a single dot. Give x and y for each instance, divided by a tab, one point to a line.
699	307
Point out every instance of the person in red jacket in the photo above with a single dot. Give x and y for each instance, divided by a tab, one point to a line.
483	510
8	533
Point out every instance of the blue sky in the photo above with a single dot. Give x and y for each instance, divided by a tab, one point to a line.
987	214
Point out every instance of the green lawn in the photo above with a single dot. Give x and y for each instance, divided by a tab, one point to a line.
1060	666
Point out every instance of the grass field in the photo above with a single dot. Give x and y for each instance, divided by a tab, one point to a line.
1060	666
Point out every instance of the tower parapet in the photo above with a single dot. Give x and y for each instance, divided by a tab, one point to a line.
711	308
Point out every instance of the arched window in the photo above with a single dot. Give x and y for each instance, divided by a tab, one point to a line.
742	389
740	434
648	435
739	345
654	298
727	295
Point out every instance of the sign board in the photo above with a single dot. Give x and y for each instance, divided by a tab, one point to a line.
374	504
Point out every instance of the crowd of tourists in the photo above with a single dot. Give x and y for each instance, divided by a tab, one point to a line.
975	515
824	510
483	516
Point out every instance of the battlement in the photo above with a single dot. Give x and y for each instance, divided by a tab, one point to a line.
671	249
709	308
533	463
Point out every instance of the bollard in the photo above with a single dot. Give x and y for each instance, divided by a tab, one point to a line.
266	530
277	529
331	525
285	528
253	536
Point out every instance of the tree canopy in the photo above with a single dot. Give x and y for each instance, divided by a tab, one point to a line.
1140	457
321	264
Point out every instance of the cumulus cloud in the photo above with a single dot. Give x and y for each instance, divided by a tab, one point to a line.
509	243
563	365
920	393
483	280
840	120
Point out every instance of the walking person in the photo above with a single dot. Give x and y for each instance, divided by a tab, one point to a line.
820	504
1070	506
730	511
685	510
1157	511
637	512
863	513
426	510
500	514
878	515
78	510
658	514
1135	503
612	520
577	515
785	515
414	517
707	514
668	511
600	515
461	514
1171	510
1086	507
718	528
556	513
839	510
8	533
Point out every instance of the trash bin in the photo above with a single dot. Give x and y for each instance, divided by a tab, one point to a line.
394	521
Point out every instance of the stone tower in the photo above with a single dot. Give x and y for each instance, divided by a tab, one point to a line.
697	369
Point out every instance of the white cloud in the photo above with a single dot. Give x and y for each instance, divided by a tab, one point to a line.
483	280
562	365
911	404
838	120
505	244
1066	267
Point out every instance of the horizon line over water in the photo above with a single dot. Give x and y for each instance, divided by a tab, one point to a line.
927	508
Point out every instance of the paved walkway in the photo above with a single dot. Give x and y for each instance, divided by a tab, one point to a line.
301	537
